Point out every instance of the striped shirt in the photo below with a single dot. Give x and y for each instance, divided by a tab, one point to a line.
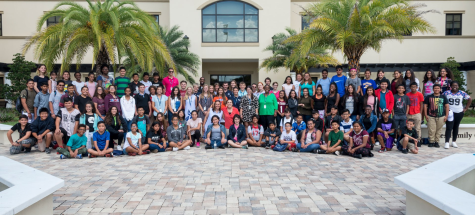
121	83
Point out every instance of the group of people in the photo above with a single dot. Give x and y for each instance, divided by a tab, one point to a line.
338	115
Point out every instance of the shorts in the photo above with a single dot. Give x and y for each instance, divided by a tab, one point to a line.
42	143
400	123
410	146
17	149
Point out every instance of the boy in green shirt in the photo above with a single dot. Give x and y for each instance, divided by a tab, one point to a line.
121	82
335	138
76	146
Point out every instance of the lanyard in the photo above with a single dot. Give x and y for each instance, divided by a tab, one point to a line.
205	98
159	101
189	100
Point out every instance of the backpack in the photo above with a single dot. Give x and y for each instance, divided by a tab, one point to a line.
18	105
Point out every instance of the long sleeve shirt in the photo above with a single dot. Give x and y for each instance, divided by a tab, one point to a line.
128	108
175	135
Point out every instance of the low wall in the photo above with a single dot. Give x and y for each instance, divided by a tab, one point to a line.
28	190
445	186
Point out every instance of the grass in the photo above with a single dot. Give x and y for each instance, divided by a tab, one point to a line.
468	120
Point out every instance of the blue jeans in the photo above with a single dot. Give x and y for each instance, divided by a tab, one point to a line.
153	147
218	143
353	118
309	148
129	123
306	118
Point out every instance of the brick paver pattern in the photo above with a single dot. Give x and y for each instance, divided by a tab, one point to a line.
232	181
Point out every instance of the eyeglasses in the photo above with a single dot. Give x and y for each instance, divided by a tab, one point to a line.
133	126
81	129
61	85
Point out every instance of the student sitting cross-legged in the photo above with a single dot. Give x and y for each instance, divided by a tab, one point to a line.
156	139
215	134
272	135
237	134
359	146
288	139
101	138
335	140
310	141
76	145
176	135
133	145
26	141
255	133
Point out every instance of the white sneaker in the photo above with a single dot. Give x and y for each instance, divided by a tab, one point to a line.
447	145
187	148
175	149
337	153
454	145
376	144
119	147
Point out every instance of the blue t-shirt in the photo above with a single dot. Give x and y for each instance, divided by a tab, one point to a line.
382	100
325	85
367	83
77	141
101	139
340	83
307	86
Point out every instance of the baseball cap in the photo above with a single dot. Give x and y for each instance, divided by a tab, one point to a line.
385	110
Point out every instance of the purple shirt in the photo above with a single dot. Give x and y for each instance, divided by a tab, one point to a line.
110	101
100	105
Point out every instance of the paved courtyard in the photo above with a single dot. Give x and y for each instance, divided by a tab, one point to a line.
232	181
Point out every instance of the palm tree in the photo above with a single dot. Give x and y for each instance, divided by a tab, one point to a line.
282	51
355	26
186	63
112	28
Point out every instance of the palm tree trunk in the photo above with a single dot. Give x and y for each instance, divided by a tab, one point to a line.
102	58
353	55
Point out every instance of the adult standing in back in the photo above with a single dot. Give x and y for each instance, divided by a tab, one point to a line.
267	107
169	82
104	80
40	77
340	80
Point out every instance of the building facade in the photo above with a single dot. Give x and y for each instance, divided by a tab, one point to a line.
230	36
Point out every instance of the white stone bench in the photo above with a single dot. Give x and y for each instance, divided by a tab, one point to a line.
446	186
25	190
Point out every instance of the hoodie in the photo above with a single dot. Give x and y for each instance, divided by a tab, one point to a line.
374	121
41	101
389	99
40	126
175	135
241	133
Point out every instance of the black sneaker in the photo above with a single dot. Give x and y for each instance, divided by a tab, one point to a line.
295	149
221	147
359	156
208	146
48	150
436	145
404	151
431	145
267	146
316	151
419	144
27	150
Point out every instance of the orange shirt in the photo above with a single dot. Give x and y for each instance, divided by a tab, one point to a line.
223	102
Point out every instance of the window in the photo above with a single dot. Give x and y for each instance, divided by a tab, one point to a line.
1	82
157	19
1	28
306	22
228	78
53	21
230	22
453	25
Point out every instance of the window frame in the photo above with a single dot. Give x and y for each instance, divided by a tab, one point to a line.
231	74
1	24
57	21
216	28
157	18
453	16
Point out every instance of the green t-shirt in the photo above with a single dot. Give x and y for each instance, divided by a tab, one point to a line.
77	141
121	83
334	137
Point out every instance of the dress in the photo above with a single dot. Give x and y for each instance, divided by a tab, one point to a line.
210	115
190	105
248	108
205	102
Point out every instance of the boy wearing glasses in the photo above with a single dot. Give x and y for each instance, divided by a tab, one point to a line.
76	146
55	98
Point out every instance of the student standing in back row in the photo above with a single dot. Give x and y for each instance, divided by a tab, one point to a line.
121	82
55	98
40	78
324	82
104	80
354	80
367	81
436	109
416	103
27	98
78	84
340	80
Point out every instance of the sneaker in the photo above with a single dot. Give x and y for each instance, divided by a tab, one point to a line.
131	154
267	146
175	149
119	148
36	146
187	148
337	153
453	145
155	151
376	144
404	151
91	156
295	149
382	150
221	147
62	157
359	156
419	144
48	150
316	151
145	152
436	145
208	147
431	145
27	150
108	155
79	156
447	145
197	144
245	147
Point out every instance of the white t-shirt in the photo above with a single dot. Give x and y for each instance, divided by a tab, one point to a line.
147	85
255	131
282	124
193	124
297	86
291	136
456	100
135	139
79	86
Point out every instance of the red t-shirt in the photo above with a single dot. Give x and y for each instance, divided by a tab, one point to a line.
415	102
228	118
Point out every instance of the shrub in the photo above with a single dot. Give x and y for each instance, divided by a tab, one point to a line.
8	115
20	72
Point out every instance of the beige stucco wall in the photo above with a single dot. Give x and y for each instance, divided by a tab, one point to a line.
465	182
418	206
42	207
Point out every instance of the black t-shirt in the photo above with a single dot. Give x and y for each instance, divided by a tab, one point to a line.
157	138
157	84
386	126
436	105
367	122
142	101
81	102
17	127
319	104
39	80
134	87
318	124
412	133
89	121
